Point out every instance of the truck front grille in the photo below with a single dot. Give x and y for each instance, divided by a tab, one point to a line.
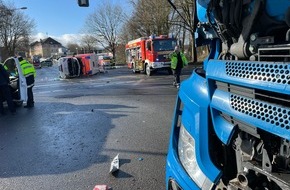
272	114
255	93
268	72
272	109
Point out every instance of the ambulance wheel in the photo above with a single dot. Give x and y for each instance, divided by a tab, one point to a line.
147	70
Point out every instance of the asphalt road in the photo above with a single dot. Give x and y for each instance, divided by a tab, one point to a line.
68	140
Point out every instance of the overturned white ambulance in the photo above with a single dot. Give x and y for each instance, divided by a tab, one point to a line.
69	67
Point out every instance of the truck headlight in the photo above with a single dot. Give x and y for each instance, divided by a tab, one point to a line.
187	157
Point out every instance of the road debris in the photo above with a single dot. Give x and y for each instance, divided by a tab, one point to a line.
101	187
114	164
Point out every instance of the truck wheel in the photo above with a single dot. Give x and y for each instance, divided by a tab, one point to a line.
147	70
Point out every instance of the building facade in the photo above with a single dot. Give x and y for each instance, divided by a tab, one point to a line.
45	48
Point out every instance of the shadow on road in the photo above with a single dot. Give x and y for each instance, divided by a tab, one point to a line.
52	138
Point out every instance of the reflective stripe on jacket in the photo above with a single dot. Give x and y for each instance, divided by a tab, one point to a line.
27	68
173	57
5	67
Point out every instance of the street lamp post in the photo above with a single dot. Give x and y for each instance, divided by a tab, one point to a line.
6	11
21	8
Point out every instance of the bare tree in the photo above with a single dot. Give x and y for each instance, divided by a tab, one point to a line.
73	47
15	31
104	26
88	42
149	17
184	18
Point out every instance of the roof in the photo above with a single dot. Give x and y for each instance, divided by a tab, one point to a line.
48	40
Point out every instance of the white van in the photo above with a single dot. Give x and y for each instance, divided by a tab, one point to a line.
69	67
17	80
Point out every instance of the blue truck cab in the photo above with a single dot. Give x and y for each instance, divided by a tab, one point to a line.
231	122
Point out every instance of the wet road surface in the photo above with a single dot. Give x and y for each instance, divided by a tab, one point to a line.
68	140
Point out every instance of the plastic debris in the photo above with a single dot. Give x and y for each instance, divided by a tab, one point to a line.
101	187
114	164
140	159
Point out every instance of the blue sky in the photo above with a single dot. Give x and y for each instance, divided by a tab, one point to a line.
59	18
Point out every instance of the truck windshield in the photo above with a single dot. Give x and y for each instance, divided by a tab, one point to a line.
164	45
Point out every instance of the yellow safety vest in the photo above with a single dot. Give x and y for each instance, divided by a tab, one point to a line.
27	68
174	60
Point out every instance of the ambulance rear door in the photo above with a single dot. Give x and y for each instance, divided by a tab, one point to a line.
16	77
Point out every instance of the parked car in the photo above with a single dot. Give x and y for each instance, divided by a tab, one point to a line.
36	63
46	63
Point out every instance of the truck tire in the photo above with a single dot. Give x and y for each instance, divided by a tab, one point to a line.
147	70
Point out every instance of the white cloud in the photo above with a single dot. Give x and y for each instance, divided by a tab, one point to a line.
63	39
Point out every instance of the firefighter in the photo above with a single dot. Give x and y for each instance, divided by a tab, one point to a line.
5	93
29	73
178	61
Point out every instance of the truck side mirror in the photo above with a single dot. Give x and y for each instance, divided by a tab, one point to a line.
83	3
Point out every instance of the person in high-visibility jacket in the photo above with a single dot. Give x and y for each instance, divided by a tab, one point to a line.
29	73
178	61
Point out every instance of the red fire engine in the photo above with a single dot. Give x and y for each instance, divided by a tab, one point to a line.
148	54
